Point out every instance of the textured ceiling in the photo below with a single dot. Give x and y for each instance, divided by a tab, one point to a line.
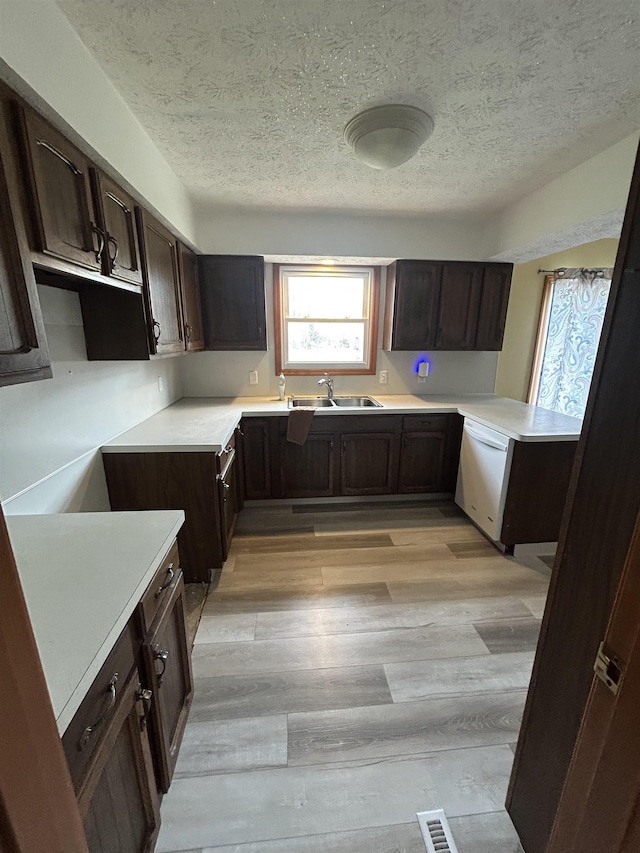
247	99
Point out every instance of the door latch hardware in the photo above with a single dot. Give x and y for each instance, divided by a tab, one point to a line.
608	668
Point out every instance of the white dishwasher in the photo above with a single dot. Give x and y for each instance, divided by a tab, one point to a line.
483	476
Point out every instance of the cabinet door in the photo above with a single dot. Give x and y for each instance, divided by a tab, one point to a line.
232	289
422	462
168	669
114	207
228	501
414	291
24	355
61	195
162	285
459	302
369	463
119	802
190	288
308	470
256	458
493	306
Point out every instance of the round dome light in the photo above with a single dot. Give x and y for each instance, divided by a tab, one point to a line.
387	136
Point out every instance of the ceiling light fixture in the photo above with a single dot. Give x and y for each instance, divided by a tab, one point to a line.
387	136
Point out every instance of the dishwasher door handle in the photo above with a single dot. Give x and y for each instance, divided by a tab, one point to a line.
483	439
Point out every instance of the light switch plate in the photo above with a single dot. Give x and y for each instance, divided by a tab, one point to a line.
160	383
384	377
253	377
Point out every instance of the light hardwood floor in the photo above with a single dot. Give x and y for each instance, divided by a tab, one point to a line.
354	666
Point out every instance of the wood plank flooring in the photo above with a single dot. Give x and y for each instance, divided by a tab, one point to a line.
354	666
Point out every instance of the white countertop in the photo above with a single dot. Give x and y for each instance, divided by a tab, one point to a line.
83	575
205	424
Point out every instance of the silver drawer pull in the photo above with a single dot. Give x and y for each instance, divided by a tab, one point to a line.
108	708
167	583
228	448
163	656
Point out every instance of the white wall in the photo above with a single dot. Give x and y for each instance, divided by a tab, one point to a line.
226	374
38	43
338	234
51	430
581	206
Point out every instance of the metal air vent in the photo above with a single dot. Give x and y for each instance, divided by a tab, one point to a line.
436	832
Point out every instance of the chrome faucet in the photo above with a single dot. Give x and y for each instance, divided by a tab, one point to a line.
328	381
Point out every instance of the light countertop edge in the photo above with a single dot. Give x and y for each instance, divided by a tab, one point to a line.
206	424
63	669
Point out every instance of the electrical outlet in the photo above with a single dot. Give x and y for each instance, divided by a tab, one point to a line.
384	377
253	377
160	383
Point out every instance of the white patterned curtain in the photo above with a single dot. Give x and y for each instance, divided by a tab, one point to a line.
578	300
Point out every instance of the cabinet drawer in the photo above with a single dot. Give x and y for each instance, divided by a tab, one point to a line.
160	587
225	454
86	729
424	423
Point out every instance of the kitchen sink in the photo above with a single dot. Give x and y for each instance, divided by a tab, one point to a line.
311	402
354	402
326	403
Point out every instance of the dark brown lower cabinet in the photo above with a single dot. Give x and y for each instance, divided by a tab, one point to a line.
256	457
422	462
308	470
167	667
118	800
229	499
369	463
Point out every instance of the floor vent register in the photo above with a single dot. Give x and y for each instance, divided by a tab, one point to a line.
436	832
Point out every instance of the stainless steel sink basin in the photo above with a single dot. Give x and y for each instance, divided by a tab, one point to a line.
355	402
312	402
340	402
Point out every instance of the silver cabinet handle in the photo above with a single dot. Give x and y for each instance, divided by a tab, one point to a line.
111	241
100	249
107	709
158	332
163	656
167	583
144	695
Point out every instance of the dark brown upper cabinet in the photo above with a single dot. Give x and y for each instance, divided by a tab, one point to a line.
64	220
446	305
496	284
24	355
460	290
412	302
159	250
191	310
233	303
116	220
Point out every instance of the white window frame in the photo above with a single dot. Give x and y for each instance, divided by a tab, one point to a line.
281	274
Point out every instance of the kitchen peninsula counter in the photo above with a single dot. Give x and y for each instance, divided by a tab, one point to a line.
206	424
83	575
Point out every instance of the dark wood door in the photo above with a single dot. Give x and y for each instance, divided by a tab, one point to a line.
369	463
422	462
598	809
232	290
116	219
596	535
162	284
190	288
65	224
496	284
308	470
459	303
168	674
119	802
413	289
24	354
256	458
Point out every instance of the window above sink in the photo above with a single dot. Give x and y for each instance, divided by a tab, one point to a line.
326	318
